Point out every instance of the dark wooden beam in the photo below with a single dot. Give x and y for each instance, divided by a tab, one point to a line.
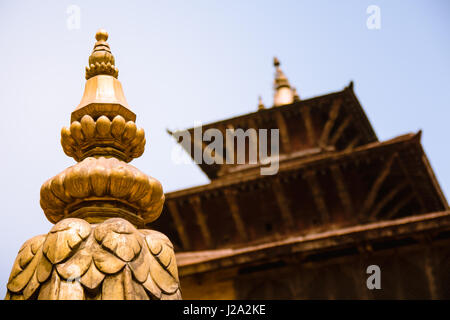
228	148
413	185
253	141
398	271
331	285
353	143
332	116
358	281
317	193
283	204
307	120
340	130
217	153
179	225
399	206
224	167
383	202
230	195
284	133
375	188
296	286
201	219
430	272
341	187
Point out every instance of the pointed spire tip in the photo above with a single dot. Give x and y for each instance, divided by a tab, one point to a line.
276	62
283	91
260	103
101	60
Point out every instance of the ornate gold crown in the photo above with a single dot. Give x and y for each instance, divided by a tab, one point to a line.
101	60
97	249
102	138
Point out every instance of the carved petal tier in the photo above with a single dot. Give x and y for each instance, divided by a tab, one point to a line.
101	61
103	137
109	261
96	189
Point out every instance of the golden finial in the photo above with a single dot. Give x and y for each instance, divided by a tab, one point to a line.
260	103
100	207
101	61
101	35
280	78
283	92
103	93
276	62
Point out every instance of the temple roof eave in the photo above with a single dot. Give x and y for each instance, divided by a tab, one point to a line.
191	263
293	163
267	111
353	108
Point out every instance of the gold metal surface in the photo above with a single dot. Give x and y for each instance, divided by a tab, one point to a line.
105	183
80	261
88	138
283	91
103	95
95	250
101	60
260	103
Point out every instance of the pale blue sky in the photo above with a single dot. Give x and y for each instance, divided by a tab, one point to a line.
186	61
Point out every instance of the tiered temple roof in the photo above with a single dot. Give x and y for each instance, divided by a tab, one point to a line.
337	188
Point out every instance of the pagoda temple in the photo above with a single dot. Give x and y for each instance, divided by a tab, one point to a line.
342	201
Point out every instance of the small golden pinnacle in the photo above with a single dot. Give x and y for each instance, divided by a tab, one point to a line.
101	35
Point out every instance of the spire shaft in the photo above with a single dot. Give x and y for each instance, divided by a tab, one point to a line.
101	61
283	91
102	138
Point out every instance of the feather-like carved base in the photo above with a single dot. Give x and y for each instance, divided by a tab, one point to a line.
81	261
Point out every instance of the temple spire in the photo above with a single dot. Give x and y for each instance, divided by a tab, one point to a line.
103	134
260	103
101	60
283	91
103	93
100	207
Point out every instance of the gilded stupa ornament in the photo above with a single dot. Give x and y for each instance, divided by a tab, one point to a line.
284	94
260	103
101	60
99	247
